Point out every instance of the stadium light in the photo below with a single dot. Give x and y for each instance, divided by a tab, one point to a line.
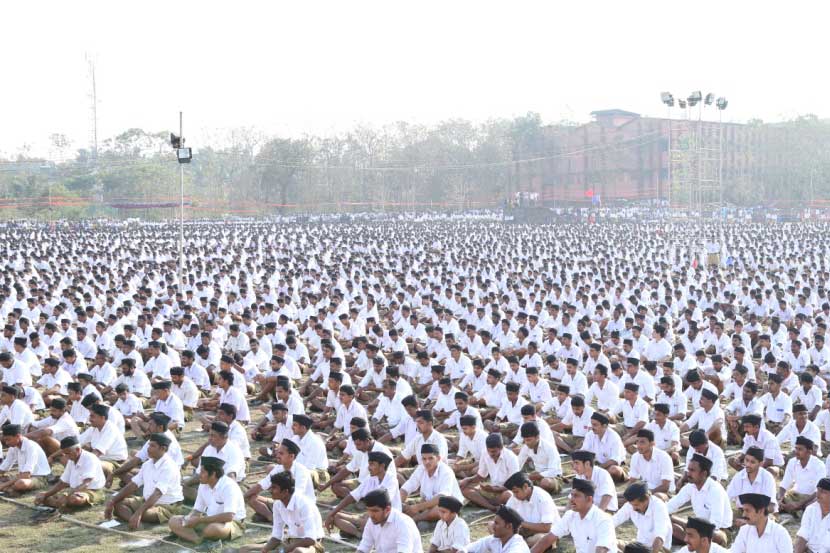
694	98
709	99
722	103
667	98
682	104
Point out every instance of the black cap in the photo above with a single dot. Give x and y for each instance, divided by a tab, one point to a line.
69	441
212	463
302	420
161	440
757	500
702	527
510	516
583	455
637	490
597	416
292	447
704	462
450	503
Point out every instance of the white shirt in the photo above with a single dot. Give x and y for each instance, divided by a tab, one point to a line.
312	451
804	478
413	447
225	497
298	520
545	459
498	471
775	539
492	544
604	485
174	450
398	534
764	484
389	483
665	436
595	530
709	502
232	455
29	457
538	508
442	481
108	441
162	475
660	467
456	535
87	467
173	408
814	529
61	428
654	523
610	446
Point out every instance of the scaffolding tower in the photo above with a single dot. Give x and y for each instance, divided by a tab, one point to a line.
695	154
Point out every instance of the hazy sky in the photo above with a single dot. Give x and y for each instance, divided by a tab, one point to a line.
320	67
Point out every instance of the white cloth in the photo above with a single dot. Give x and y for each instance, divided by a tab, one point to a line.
162	475
224	497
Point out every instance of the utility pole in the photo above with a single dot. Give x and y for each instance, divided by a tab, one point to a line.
181	210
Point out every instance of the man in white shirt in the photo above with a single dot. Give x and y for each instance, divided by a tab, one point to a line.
219	510
649	515
380	477
804	470
451	532
505	536
104	439
388	530
591	529
534	505
27	455
297	524
83	479
708	498
652	465
699	537
431	478
760	533
497	465
814	533
160	482
751	479
48	432
547	466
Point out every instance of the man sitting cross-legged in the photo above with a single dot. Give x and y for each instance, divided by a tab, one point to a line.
161	489
32	466
83	478
219	510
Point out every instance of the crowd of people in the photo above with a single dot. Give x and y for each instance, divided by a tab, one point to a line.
567	379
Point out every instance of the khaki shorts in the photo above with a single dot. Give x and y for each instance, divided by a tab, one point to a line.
237	528
111	465
164	512
319	476
793	496
39	482
316	548
93	497
493	496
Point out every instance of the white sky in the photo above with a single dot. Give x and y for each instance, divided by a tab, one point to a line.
320	67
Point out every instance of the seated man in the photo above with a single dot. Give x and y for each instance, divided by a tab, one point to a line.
605	493
652	465
756	436
32	466
708	498
430	479
498	464
813	533
451	532
218	445
534	505
698	537
592	529
505	534
287	459
83	478
607	446
751	479
547	467
649	515
161	489
471	446
297	524
388	530
709	417
50	431
380	477
798	486
104	439
219	510
760	533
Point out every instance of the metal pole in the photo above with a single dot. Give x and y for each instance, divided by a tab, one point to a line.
181	210
668	157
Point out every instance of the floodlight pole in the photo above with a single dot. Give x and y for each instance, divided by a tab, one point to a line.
181	210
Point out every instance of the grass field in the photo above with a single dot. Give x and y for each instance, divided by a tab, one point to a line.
19	531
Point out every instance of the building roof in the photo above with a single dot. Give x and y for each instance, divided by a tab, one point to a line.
614	112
